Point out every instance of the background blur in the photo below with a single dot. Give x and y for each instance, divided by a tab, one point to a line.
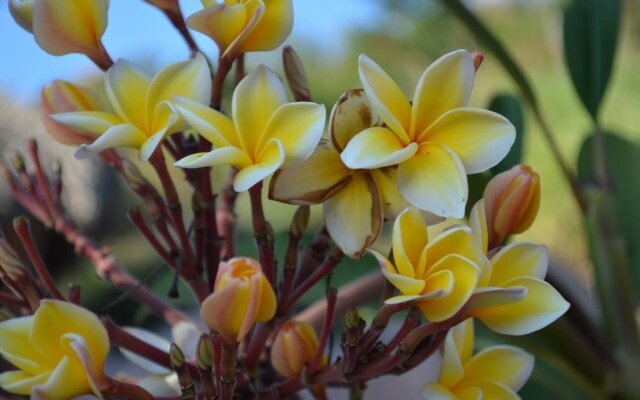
403	36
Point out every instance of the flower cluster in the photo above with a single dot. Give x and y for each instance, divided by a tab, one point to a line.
386	158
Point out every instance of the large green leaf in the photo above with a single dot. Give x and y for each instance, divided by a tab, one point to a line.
623	163
509	106
590	38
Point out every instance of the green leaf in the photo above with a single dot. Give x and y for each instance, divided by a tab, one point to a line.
623	163
509	106
590	39
477	183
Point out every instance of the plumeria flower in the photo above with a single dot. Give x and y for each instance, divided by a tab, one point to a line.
59	352
162	381
238	26
512	297
436	140
294	346
439	275
355	202
265	132
143	111
497	372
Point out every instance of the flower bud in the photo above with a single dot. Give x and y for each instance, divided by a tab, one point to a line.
22	13
295	345
300	221
242	296
70	26
60	97
512	199
204	352
295	74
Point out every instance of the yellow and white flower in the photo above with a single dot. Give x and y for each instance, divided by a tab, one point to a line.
495	373
265	133
436	140
143	111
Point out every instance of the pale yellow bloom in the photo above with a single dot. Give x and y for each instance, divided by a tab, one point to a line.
238	26
512	297
495	373
265	132
64	26
294	346
436	140
59	352
242	296
143	111
440	274
355	202
61	97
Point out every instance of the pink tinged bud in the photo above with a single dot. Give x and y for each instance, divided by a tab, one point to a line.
61	97
512	199
478	58
295	345
242	296
22	13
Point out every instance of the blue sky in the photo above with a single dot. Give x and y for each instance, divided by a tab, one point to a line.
138	32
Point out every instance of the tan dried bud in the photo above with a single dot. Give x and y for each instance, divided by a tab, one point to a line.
512	199
352	319
176	356
300	221
204	353
295	74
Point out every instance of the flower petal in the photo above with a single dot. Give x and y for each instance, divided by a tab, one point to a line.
465	275
457	240
478	224
220	22
434	180
67	381
376	148
221	156
154	340
409	240
299	126
497	391
393	202
480	138
213	125
385	97
406	284
542	305
126	86
254	101
124	135
272	29
96	122
435	391
16	348
354	215
463	338
519	259
271	158
190	79
487	297
451	370
313	181
444	85
507	365
350	115
20	382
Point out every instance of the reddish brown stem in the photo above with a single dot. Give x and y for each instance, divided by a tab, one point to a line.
176	18
225	217
224	66
123	390
326	329
23	230
256	345
228	372
12	300
262	234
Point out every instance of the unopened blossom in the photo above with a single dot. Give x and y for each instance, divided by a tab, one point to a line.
59	352
436	140
355	202
143	114
294	346
440	274
497	372
242	296
265	133
65	26
61	97
512	297
511	199
238	26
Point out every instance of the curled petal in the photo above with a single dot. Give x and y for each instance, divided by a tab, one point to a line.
494	296
458	241
220	22
126	86
478	224
20	382
124	135
350	115
542	305
272	29
480	138
497	391
409	240
408	286
385	97
299	127
269	160
313	181
221	156
434	180
354	215
214	126
446	84
16	348
95	122
507	365
376	148
519	259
